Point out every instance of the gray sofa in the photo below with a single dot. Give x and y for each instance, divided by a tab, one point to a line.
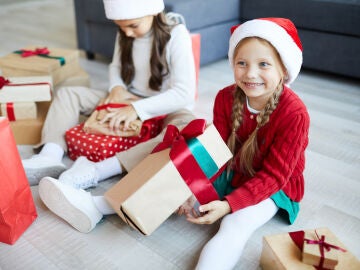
329	29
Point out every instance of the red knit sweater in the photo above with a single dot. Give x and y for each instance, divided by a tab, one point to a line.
282	142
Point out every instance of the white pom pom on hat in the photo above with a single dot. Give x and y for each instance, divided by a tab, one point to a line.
132	9
280	32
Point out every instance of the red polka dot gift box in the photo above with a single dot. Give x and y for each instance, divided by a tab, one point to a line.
99	147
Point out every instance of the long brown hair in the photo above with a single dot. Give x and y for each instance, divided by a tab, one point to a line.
249	148
158	64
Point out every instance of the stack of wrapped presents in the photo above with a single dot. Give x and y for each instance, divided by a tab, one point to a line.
29	77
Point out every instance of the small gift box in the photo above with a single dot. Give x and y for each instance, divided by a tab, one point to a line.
34	61
320	250
164	180
19	110
28	131
284	252
25	89
97	147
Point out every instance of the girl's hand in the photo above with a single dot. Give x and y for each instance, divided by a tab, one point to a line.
118	94
187	207
116	116
211	212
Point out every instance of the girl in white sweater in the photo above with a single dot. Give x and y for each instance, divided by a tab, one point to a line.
152	63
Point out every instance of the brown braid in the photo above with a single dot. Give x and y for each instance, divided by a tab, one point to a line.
237	117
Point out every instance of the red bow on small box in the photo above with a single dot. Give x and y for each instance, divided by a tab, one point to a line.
3	82
6	82
184	160
37	51
322	246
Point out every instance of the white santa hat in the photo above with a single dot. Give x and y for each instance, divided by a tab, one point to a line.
132	9
281	33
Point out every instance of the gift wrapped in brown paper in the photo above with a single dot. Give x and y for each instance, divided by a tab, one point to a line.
29	131
320	250
38	61
25	89
284	251
93	125
19	110
159	184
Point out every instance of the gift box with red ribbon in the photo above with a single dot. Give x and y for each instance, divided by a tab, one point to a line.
180	166
41	61
98	147
28	131
320	250
19	110
285	251
25	89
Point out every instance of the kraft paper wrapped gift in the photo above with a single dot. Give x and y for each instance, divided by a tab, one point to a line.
19	110
29	131
320	250
38	61
156	187
25	89
284	251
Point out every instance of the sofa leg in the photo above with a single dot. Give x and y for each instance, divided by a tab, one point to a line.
90	55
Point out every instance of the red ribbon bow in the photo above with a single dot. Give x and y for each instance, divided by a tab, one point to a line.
6	82
322	246
298	238
3	82
185	162
37	51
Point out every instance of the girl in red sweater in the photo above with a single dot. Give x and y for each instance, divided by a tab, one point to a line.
266	127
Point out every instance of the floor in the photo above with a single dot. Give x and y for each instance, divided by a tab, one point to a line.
332	195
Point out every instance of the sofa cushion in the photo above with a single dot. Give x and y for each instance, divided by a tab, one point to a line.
333	16
203	13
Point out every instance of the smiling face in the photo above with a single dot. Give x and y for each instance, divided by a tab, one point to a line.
258	70
136	28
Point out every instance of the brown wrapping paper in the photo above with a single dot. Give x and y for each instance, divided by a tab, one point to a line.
154	189
19	110
29	131
280	253
14	65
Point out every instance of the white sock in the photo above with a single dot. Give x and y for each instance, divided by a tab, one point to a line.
102	205
108	168
52	150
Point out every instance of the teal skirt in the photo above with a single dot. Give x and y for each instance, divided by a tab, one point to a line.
290	208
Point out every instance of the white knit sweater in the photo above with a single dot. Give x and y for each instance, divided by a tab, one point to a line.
178	88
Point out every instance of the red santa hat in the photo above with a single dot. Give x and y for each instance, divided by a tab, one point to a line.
132	9
281	33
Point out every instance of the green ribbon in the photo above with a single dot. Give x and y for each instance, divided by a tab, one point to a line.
61	59
203	158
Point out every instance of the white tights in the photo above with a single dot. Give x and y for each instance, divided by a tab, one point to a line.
223	251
